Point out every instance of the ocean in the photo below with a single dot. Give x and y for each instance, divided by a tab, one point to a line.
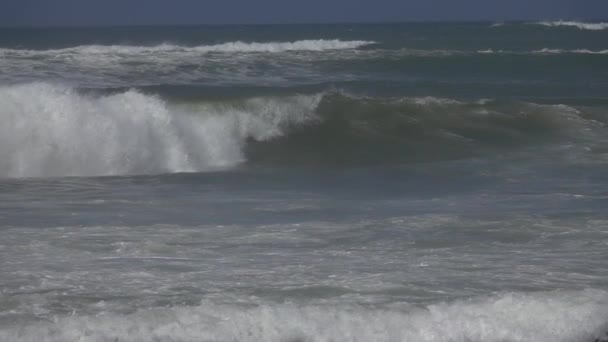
303	183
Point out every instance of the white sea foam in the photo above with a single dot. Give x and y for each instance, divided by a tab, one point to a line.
52	130
559	316
548	51
586	51
577	51
431	101
577	24
231	47
125	65
427	53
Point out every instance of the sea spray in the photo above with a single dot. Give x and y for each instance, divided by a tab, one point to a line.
52	130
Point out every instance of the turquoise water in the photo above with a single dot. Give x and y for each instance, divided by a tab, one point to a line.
348	182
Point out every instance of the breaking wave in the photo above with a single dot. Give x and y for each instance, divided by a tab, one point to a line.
56	130
124	65
579	316
52	130
238	46
577	24
577	51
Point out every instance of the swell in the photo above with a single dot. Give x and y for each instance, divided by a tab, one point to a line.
362	130
54	130
565	316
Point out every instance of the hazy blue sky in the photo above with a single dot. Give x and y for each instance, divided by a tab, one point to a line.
112	12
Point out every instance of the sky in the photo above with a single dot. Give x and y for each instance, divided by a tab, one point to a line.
188	12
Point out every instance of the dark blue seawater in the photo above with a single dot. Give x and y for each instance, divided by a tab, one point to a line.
347	182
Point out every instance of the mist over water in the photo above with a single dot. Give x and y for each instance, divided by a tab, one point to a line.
386	182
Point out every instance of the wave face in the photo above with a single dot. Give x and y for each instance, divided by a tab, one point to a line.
552	317
577	24
368	130
53	130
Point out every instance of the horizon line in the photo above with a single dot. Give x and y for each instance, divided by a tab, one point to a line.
371	22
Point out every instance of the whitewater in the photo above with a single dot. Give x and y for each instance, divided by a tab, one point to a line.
497	319
339	182
63	133
576	24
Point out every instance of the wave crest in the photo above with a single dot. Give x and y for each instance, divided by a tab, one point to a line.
577	51
577	24
54	130
229	47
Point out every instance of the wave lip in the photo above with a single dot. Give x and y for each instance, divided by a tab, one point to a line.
237	46
540	317
577	24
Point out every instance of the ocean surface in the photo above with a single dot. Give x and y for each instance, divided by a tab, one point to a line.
303	183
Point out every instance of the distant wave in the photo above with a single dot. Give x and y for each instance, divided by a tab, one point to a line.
238	46
54	130
127	65
577	24
235	63
489	51
577	51
564	316
545	51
